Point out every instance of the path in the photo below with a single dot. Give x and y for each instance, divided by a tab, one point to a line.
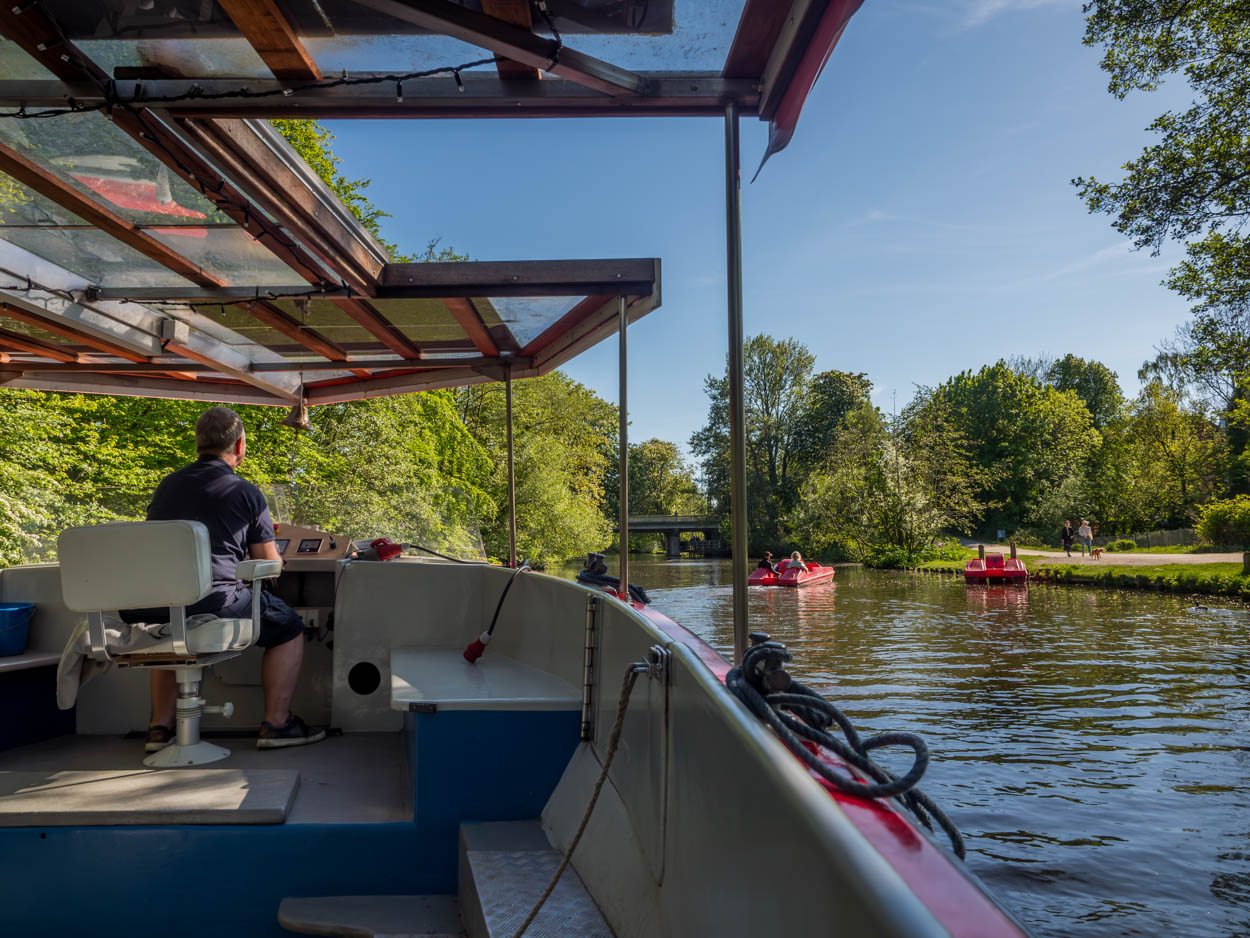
1127	559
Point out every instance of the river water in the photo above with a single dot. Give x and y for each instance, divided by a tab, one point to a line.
1092	745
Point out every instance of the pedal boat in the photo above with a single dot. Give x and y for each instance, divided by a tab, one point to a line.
994	568
791	576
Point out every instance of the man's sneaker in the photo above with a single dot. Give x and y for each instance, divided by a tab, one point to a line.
158	738
295	732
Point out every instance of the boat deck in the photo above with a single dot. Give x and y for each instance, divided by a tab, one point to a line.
361	778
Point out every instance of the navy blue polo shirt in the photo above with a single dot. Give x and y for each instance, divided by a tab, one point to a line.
233	509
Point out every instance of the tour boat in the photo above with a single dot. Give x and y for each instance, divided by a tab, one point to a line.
994	568
788	575
587	729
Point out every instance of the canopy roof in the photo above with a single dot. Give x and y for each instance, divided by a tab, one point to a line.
158	237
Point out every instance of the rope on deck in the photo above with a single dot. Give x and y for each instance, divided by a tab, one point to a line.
632	670
797	713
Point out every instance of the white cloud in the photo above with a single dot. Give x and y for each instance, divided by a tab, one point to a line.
979	12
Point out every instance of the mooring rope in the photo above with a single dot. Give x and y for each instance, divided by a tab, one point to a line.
632	670
797	713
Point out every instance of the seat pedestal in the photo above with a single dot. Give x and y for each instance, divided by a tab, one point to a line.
188	748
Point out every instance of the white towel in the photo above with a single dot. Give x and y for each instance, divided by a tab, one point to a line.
77	666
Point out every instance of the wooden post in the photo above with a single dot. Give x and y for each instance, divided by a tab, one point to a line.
981	551
1013	550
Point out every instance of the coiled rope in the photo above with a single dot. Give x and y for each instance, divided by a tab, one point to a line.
632	670
797	713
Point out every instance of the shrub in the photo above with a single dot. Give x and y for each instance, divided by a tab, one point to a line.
1122	544
1227	522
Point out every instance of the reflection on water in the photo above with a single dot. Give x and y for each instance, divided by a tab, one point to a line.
1092	745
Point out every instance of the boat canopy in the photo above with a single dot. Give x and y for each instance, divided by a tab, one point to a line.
158	237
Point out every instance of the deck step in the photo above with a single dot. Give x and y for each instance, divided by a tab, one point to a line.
373	916
504	868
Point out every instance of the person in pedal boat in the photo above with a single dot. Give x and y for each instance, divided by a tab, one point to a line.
766	562
239	527
796	560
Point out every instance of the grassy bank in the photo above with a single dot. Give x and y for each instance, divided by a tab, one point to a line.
1220	579
1223	579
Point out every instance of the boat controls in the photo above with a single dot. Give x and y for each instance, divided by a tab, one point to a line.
594	573
797	713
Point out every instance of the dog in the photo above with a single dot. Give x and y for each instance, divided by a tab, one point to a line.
1096	552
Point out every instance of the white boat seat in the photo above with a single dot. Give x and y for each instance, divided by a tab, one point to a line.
149	564
206	635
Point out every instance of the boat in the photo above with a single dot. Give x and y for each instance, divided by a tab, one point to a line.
995	568
593	749
788	575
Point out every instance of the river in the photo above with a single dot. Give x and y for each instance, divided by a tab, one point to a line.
1092	745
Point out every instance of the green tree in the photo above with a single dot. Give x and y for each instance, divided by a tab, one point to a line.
831	395
1192	185
564	438
776	374
1031	437
1179	455
1093	382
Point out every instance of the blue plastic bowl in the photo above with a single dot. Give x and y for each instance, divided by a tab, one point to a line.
14	627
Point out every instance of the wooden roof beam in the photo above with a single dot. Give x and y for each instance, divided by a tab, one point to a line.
512	42
518	13
32	346
472	324
268	31
378	326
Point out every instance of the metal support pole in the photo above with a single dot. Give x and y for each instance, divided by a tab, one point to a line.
623	460
507	397
737	415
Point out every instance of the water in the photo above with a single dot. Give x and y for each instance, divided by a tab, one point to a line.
1092	745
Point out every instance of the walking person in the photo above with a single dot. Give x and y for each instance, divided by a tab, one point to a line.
1086	534
1067	536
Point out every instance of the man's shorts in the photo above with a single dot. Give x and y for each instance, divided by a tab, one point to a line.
279	623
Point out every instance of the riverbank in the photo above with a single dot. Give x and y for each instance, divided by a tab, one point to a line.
1212	574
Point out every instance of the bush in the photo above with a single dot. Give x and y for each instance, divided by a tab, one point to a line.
1227	522
1122	544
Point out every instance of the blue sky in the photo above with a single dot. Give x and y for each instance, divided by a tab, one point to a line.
921	223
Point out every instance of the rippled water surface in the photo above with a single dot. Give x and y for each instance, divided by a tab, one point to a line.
1092	745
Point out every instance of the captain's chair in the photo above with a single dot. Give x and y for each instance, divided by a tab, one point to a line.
146	564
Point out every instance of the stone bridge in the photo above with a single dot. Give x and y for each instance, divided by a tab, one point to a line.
671	527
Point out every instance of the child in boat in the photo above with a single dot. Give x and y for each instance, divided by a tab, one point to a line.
796	560
766	562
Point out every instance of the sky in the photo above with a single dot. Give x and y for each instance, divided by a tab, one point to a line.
921	223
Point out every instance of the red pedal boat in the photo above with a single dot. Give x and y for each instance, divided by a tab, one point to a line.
815	573
994	568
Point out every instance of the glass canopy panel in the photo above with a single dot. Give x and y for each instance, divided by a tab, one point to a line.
237	319
424	321
528	317
34	332
198	39
100	161
328	320
16	64
230	253
23	207
93	255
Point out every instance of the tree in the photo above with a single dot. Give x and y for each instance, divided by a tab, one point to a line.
1192	185
564	438
1032	438
1093	382
1179	455
831	395
775	382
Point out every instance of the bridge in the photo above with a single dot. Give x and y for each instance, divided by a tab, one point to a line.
671	527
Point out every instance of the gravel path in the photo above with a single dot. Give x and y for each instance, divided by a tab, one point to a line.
1123	560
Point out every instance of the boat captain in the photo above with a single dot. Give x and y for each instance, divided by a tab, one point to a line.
239	527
